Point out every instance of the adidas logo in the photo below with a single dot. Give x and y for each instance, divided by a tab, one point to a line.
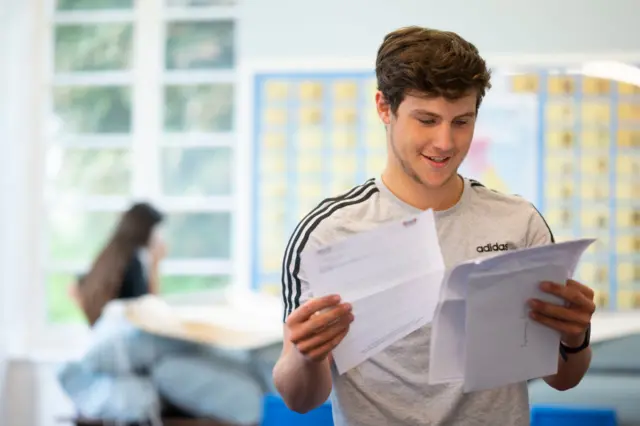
492	247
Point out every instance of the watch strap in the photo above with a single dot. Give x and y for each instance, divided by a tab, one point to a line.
564	349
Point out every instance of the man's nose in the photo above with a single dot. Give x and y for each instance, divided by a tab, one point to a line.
444	138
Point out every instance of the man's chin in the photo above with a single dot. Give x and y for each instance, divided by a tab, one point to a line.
438	180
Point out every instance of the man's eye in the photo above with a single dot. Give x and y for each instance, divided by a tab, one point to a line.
428	122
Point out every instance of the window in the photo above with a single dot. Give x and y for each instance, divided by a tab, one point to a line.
141	106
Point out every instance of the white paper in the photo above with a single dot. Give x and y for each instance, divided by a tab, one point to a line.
482	335
391	275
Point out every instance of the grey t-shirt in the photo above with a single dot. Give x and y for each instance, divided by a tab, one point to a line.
392	387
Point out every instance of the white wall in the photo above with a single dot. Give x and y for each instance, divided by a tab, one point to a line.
337	28
269	29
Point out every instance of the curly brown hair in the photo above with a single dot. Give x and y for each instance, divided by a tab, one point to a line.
428	62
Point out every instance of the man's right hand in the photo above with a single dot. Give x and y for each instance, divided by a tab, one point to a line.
318	326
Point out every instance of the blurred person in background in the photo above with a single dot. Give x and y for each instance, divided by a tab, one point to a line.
119	272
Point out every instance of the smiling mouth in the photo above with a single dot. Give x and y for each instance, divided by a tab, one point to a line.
437	161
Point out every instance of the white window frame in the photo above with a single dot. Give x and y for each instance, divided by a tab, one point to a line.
146	80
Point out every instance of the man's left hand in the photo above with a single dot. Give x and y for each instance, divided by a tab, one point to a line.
572	319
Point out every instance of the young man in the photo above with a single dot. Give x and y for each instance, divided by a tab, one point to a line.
430	87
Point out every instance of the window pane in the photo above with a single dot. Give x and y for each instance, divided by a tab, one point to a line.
87	171
196	171
93	109
61	308
197	3
77	236
198	45
93	4
103	47
198	235
177	284
201	108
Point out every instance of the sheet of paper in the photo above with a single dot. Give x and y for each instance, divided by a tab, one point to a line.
479	323
392	277
502	344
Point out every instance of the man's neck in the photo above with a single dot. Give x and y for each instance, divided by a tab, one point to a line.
420	196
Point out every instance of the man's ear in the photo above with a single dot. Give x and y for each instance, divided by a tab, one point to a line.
383	108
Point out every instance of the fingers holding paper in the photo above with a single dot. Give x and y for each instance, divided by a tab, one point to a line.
318	326
570	319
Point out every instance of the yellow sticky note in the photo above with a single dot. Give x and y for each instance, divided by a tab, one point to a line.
625	138
628	112
345	115
272	191
595	86
270	262
525	83
311	91
371	116
274	141
624	190
345	139
595	165
563	191
310	138
375	165
275	116
274	164
558	166
626	165
595	139
596	113
625	273
306	205
376	138
371	88
628	190
628	217
626	244
561	85
271	289
310	192
625	300
345	90
594	219
276	90
310	116
345	165
601	297
587	272
559	218
341	184
628	89
560	113
560	139
309	164
595	191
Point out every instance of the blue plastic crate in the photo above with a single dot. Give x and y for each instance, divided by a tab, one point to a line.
276	413
552	415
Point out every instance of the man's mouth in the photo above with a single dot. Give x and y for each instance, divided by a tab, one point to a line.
437	161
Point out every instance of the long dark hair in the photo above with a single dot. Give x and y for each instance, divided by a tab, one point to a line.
102	283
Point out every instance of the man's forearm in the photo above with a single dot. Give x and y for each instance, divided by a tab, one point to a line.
303	385
571	371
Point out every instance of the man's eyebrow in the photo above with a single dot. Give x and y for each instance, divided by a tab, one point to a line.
470	114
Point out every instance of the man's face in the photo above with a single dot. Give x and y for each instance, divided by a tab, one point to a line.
429	137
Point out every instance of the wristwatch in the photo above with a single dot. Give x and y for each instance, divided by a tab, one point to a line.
564	349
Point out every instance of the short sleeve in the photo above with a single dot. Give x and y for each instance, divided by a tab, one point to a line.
295	287
538	233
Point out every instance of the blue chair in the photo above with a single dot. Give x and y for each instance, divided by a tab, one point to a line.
555	415
276	413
